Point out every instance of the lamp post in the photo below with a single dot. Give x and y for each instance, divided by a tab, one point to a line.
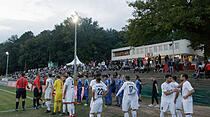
75	20
7	53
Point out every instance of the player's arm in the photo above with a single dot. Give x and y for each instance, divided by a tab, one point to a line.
65	89
16	87
157	88
93	95
27	84
169	93
189	94
46	86
180	85
176	96
121	89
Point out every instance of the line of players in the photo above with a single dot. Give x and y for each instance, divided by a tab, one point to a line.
171	94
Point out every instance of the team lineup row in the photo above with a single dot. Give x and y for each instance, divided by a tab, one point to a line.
127	91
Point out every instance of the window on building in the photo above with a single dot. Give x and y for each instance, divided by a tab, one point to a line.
137	51
150	50
146	50
166	47
122	53
160	48
141	51
170	46
155	48
176	46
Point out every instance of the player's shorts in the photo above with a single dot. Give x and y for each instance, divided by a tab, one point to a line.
36	92
188	106
48	94
97	106
21	92
179	104
58	96
167	106
69	97
130	102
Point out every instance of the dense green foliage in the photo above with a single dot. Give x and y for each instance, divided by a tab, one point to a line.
161	20
30	51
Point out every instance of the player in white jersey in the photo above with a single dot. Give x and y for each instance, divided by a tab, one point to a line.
92	83
187	91
48	92
68	94
167	100
177	96
130	97
98	91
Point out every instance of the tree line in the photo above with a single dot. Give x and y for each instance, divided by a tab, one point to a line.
94	43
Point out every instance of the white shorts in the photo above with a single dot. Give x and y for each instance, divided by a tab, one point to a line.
188	106
178	104
164	106
131	102
97	106
69	97
48	95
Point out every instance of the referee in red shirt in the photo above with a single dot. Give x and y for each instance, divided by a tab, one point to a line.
37	91
21	85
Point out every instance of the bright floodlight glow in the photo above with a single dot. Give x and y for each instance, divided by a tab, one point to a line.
75	17
7	53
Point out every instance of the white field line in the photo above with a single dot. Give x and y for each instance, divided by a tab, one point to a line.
14	93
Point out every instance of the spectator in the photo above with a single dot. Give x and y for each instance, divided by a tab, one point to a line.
155	93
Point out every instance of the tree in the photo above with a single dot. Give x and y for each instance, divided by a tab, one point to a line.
156	20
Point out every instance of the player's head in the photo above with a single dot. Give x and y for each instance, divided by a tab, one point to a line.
50	75
98	79
119	76
38	74
152	78
137	77
23	74
183	77
174	78
127	78
68	74
168	78
58	77
105	77
85	76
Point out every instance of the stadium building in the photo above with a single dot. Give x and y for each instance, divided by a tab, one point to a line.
180	48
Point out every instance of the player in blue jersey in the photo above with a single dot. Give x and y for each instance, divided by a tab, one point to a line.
120	82
138	86
108	97
86	89
79	89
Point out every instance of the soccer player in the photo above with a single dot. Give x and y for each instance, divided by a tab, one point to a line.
108	97
86	89
48	92
187	91
92	83
138	86
79	89
58	85
155	93
130	97
167	100
21	85
177	96
68	94
119	85
97	91
37	91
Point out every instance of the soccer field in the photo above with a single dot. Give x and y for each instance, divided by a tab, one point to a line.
7	105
